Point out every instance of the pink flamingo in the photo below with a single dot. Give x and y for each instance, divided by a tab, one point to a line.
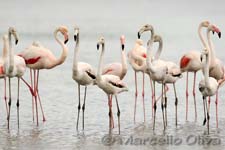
216	67
14	66
190	62
110	84
38	57
83	74
116	68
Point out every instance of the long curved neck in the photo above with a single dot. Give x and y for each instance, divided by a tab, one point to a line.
212	55
76	50
63	56
123	62
10	53
159	51
149	54
206	70
5	48
201	36
101	62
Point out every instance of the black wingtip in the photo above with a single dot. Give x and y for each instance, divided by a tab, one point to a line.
97	46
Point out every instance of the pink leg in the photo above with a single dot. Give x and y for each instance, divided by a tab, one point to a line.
110	112
35	91
209	100
136	94
194	96
5	98
43	116
143	94
31	80
152	96
187	97
216	102
112	125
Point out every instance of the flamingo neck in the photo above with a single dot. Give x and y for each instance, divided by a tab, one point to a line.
212	56
159	51
201	36
206	70
149	54
63	56
5	47
10	54
76	50
101	62
123	62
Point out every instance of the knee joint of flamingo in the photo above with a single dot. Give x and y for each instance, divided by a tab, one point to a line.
162	106
5	98
83	107
208	116
155	107
110	114
186	94
136	93
176	101
143	94
193	93
9	103
216	102
118	113
17	104
78	106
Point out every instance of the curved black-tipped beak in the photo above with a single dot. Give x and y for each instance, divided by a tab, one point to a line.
123	46
16	41
97	46
219	34
201	58
75	37
139	35
213	32
66	41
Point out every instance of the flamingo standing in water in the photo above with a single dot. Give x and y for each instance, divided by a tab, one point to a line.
83	74
139	65
38	57
216	67
116	68
2	73
190	62
14	66
110	84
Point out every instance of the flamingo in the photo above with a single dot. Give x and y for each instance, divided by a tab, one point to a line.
208	85
216	67
2	73
14	66
83	74
110	84
139	65
38	57
157	71
190	62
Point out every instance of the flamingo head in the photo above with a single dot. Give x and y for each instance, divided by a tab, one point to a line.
205	24
5	37
64	32
122	41
157	38
145	28
12	31
76	32
214	28
101	41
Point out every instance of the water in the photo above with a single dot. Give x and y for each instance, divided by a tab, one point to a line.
176	21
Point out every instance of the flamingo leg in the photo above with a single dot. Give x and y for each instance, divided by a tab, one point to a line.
136	94
78	106
207	108
83	107
143	94
194	95
165	105
112	121
176	102
31	80
187	97
155	107
35	96
162	107
118	113
5	98
18	103
204	110
216	102
209	101
9	103
39	98
110	114
152	95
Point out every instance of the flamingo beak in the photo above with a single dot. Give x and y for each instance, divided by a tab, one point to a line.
97	46
213	32
66	38
16	42
123	46
75	37
139	35
219	34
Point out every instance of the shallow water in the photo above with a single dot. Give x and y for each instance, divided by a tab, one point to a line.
176	21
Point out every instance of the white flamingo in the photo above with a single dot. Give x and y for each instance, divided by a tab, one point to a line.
110	84
14	66
83	74
190	62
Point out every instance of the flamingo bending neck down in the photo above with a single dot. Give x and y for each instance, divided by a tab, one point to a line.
14	66
110	84
38	57
83	74
190	62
